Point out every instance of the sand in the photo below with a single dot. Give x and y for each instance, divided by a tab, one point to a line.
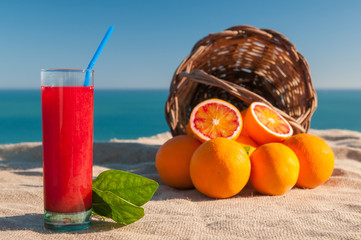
330	211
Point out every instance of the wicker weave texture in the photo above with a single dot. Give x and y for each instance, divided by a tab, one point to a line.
241	65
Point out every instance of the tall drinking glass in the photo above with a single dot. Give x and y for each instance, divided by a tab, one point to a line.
67	118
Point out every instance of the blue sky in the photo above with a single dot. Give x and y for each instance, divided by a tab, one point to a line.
151	38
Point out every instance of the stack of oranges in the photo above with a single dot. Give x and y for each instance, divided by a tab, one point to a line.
223	149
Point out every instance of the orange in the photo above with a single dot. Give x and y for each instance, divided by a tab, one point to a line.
316	159
243	114
173	159
189	130
274	169
215	118
247	143
264	125
220	168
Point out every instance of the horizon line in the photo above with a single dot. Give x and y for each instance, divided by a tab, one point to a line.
163	88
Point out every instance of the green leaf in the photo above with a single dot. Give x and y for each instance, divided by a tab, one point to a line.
129	186
247	148
118	195
116	208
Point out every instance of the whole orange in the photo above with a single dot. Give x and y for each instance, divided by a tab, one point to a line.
173	159
243	114
220	168
189	130
274	169
316	159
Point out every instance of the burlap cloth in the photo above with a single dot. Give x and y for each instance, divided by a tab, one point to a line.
331	211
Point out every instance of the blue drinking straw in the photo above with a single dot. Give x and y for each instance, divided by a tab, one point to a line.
96	55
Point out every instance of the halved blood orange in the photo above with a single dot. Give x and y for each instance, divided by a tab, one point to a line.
215	118
264	125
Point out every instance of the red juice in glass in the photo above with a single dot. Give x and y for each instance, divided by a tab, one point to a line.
67	117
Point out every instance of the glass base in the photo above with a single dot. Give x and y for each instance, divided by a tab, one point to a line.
67	221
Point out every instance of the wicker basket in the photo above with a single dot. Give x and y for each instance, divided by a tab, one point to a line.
241	65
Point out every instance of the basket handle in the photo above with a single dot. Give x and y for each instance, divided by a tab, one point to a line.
240	92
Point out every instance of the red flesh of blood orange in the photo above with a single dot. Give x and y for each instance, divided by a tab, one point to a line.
215	118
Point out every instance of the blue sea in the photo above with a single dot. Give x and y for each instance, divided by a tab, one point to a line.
130	114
